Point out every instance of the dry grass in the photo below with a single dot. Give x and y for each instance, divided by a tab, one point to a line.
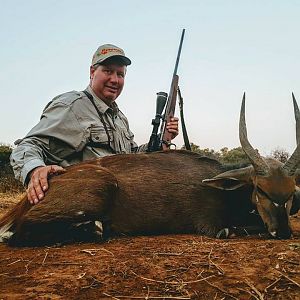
7	200
8	184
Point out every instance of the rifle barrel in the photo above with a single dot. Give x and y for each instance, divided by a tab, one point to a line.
179	52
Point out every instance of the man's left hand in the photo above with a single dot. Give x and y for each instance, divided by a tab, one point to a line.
172	127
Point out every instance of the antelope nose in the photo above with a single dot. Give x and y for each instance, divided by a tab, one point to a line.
285	234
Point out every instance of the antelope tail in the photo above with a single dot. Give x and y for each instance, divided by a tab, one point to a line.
9	220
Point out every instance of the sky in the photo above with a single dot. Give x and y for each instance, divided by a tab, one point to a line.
230	47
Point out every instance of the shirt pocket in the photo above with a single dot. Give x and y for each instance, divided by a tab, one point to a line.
99	136
126	137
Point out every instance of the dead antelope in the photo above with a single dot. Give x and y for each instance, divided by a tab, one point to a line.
158	193
273	184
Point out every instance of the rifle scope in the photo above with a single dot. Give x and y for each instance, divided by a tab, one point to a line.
154	141
160	105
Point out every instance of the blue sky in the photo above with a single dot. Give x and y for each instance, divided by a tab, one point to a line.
229	47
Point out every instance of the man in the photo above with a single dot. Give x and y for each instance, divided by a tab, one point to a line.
78	126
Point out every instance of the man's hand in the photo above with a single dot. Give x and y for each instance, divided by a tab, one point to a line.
38	183
172	127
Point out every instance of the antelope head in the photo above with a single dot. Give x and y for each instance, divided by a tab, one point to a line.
274	183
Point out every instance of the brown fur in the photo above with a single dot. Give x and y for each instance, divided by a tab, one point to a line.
131	194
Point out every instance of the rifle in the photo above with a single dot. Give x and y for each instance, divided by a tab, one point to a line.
162	140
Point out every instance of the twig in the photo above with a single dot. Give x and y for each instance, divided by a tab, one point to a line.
169	253
108	295
154	280
172	282
273	283
258	293
288	278
293	262
95	283
248	292
214	264
27	265
148	293
218	268
105	250
65	263
93	251
198	280
179	271
46	254
209	259
81	275
14	262
220	289
143	297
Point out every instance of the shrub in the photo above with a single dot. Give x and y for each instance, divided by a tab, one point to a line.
8	183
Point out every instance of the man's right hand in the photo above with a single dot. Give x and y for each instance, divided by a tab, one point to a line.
38	183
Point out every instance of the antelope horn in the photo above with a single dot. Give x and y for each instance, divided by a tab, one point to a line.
297	118
292	163
258	163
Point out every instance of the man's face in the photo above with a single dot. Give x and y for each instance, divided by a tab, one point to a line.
107	81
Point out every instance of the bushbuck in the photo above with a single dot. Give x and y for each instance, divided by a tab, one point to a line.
174	191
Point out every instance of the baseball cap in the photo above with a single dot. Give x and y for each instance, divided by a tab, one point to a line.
108	50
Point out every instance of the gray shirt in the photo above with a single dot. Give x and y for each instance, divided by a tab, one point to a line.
70	131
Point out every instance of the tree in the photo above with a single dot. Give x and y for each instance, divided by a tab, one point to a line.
204	152
233	156
280	154
225	155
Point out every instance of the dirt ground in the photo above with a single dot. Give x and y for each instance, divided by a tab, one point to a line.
160	267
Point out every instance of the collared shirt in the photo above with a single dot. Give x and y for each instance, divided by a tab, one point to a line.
70	131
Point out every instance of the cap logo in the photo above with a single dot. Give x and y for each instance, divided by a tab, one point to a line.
107	50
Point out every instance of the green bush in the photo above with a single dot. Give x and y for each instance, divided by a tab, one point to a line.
236	156
8	183
233	156
5	151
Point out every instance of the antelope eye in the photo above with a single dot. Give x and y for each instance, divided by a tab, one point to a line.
260	191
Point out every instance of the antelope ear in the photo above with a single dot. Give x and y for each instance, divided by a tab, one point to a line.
226	183
230	180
